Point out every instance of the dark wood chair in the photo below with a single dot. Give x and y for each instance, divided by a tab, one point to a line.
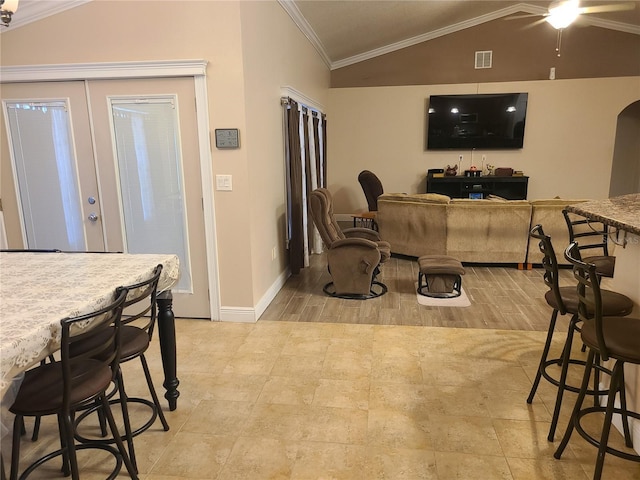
78	379
610	338
565	300
372	188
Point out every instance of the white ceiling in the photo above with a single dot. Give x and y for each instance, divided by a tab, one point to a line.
348	31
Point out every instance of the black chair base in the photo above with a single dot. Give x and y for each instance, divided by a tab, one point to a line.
596	442
61	452
377	289
134	433
423	288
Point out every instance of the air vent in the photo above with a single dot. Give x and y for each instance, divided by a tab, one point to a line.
483	59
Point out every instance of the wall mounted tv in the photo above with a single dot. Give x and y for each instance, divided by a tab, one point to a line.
482	121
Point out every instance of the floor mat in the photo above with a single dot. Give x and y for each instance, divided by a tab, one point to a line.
461	301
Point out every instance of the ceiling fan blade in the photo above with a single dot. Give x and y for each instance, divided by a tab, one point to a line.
533	24
519	16
615	7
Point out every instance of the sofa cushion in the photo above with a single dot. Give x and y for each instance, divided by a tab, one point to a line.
486	201
485	231
416	197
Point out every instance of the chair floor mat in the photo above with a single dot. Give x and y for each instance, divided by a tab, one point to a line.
461	301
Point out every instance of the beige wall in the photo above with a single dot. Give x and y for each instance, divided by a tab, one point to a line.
239	40
276	54
568	146
523	49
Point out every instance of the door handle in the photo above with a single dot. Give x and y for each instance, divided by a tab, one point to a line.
93	217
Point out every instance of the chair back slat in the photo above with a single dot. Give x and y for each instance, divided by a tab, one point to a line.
589	294
81	363
550	265
589	234
141	302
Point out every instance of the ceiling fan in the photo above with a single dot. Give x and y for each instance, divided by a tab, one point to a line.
562	13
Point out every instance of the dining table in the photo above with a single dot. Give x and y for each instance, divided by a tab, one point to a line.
37	290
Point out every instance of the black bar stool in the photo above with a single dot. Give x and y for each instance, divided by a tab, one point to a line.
565	300
615	338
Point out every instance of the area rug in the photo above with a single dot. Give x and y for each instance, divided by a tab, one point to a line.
461	301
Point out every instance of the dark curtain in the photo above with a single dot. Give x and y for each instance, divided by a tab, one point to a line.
303	178
294	187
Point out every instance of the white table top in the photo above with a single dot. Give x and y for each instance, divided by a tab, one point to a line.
37	290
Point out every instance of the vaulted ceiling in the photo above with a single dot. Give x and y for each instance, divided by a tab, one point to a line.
348	31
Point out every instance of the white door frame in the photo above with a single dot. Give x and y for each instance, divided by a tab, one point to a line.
168	68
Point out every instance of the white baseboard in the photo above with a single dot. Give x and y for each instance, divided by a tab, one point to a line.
251	315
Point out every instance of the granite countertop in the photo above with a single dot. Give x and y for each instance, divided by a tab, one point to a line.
620	212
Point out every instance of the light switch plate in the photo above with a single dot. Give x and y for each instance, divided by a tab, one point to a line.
224	182
227	138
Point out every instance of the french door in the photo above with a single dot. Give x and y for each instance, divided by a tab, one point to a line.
108	165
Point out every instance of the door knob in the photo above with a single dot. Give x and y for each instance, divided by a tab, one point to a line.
93	217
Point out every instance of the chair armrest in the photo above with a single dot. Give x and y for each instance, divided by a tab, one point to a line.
359	232
362	242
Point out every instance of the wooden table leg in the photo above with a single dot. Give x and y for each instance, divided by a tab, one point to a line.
167	336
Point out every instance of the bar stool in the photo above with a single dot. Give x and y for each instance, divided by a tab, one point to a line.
614	338
564	300
591	236
138	323
61	387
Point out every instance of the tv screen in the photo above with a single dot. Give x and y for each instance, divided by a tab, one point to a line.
482	121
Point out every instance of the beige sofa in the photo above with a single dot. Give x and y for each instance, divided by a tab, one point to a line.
474	231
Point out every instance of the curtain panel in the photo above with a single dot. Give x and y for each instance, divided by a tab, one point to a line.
305	157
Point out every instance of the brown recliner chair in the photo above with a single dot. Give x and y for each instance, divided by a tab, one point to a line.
354	255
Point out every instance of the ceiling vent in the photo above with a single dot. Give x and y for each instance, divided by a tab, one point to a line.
483	59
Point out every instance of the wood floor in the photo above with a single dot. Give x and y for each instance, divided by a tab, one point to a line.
501	298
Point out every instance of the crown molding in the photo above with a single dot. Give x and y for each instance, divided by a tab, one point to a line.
504	12
29	12
409	42
290	7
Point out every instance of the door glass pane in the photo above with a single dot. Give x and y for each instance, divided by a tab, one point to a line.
47	174
150	174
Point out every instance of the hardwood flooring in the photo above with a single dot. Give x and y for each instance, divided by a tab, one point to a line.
501	298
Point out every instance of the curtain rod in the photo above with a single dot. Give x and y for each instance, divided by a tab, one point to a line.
306	108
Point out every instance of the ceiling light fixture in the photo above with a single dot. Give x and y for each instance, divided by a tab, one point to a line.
7	9
563	14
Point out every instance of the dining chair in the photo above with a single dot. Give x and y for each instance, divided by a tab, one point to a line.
138	324
564	300
611	338
77	379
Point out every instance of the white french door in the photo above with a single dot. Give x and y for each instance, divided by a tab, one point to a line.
106	165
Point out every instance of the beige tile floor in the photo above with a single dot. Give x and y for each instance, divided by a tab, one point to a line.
301	399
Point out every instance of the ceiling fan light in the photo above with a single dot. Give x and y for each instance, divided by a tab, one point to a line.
564	14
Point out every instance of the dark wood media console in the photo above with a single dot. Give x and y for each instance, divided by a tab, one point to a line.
511	188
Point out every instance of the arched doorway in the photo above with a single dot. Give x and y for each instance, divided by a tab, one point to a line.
625	169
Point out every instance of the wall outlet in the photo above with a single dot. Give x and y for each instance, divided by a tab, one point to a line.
552	73
274	253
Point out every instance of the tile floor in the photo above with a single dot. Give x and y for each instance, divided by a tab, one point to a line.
300	399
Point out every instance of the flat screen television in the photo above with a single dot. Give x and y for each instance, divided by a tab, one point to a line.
482	121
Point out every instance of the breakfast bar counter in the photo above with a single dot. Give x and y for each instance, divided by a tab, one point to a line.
622	214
